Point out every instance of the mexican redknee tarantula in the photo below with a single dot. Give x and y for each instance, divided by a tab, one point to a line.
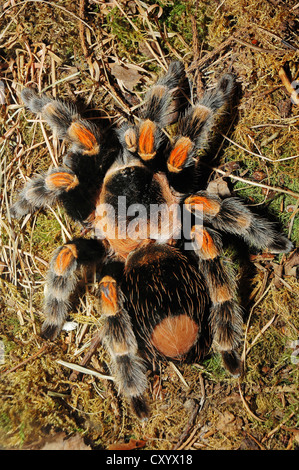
165	288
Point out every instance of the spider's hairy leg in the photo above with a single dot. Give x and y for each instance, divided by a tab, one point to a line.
231	215
65	121
127	366
196	124
62	280
160	109
44	190
164	97
235	217
225	314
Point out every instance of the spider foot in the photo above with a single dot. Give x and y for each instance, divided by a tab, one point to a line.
232	362
140	407
49	330
161	108
195	126
43	190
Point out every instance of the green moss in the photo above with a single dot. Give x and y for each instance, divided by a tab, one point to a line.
47	234
127	39
176	17
214	370
5	422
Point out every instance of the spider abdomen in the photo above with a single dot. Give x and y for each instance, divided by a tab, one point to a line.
169	300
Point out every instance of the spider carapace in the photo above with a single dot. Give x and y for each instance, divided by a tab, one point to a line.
165	288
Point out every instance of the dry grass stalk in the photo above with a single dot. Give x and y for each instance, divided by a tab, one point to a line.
42	350
84	370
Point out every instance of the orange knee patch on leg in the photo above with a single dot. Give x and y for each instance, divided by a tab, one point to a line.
64	259
147	140
61	180
78	132
204	243
175	336
200	203
179	154
109	296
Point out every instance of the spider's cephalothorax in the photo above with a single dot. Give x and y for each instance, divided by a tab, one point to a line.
165	287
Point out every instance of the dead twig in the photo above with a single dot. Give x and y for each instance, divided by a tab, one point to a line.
256	441
278	427
82	25
145	17
245	349
95	342
196	55
52	4
83	370
196	408
258	154
200	63
149	47
194	412
81	29
246	406
41	351
265	327
260	49
274	36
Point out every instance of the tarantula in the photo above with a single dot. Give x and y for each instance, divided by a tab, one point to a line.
165	288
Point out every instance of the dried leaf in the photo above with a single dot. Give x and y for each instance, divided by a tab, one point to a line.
262	257
290	208
219	187
62	442
259	175
278	270
291	265
127	75
248	443
159	12
270	139
131	445
230	166
228	422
